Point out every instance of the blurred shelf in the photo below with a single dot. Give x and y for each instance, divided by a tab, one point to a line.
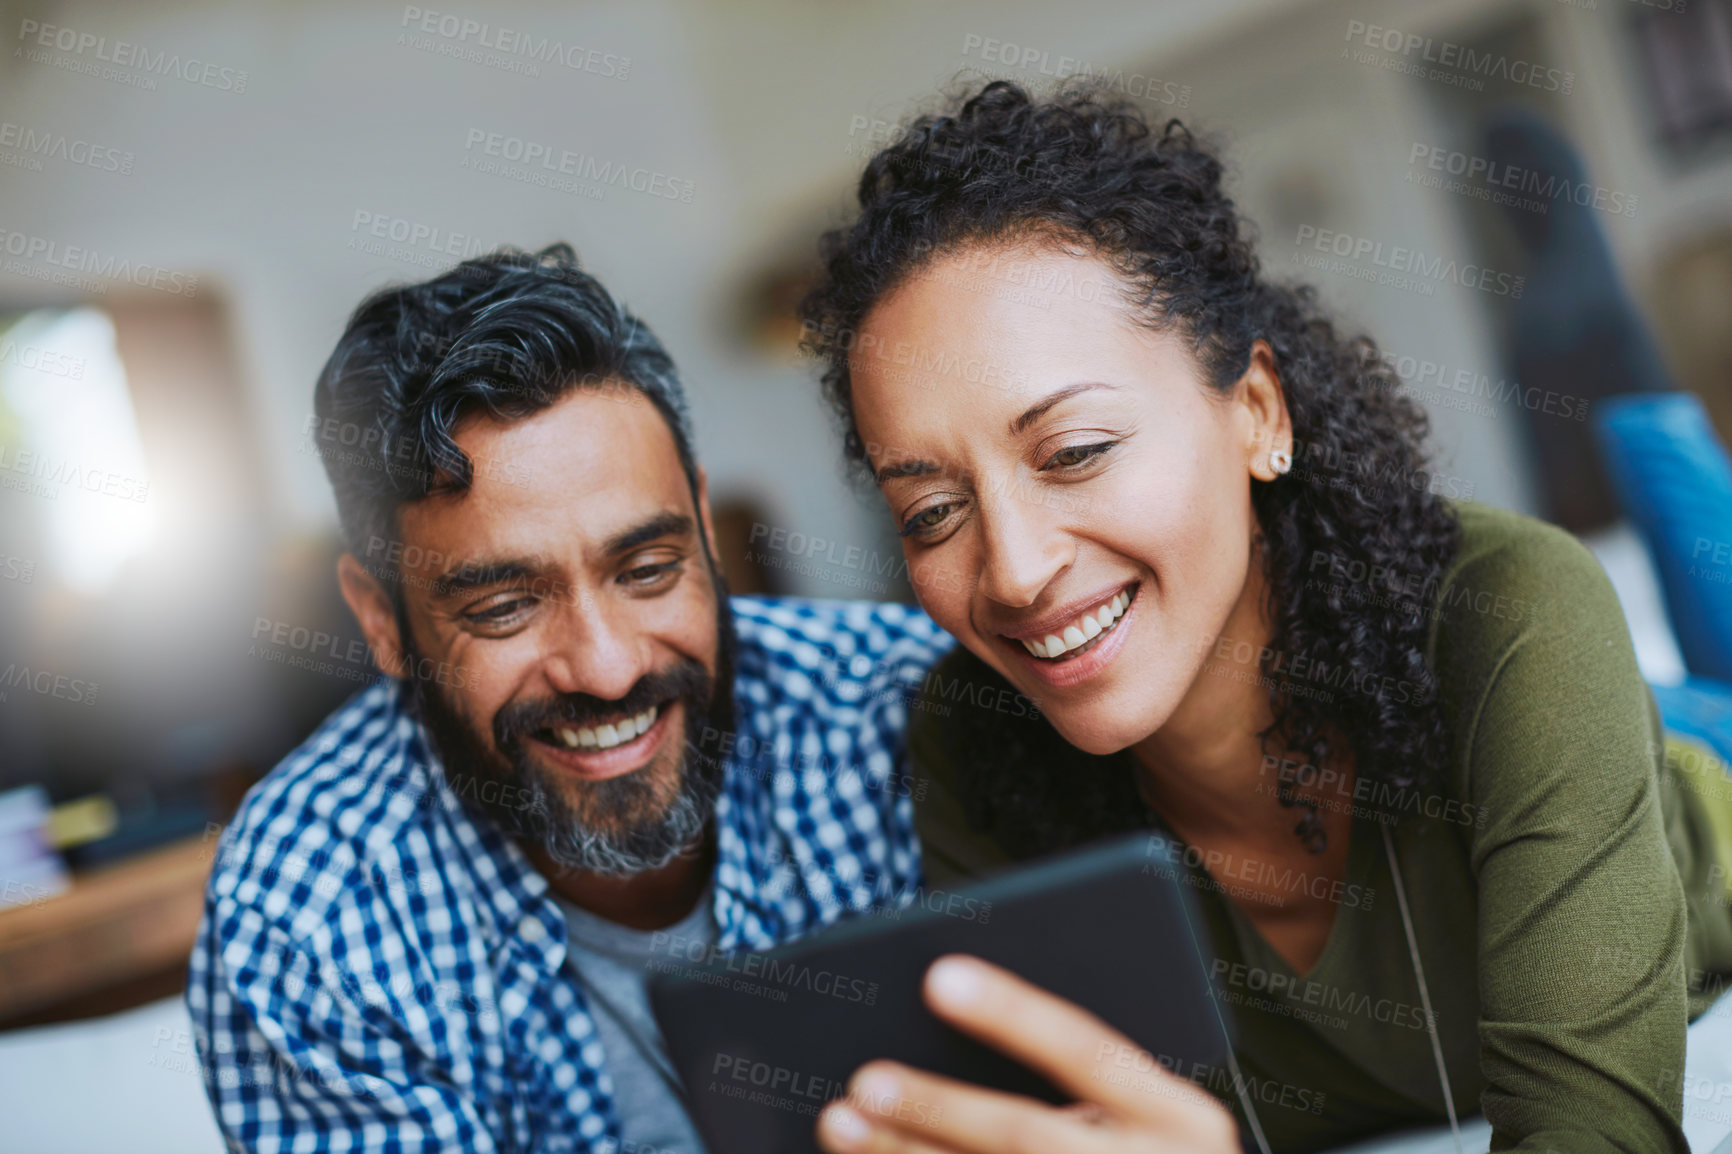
127	925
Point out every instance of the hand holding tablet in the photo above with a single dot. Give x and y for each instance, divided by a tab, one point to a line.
1125	1100
1006	1036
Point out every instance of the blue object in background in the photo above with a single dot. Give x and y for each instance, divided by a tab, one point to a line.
30	869
1573	330
1674	480
1699	708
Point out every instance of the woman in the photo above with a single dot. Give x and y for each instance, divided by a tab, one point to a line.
1398	744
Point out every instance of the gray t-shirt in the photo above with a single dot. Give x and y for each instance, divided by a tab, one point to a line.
611	961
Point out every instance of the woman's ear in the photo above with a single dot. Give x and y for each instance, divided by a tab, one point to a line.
1271	433
371	604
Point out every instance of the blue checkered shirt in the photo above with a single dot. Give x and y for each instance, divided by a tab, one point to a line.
378	969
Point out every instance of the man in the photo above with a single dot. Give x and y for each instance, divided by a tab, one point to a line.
429	927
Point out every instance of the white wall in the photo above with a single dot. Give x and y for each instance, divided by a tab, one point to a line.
258	191
752	102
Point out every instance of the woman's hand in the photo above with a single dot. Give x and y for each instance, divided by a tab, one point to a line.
1126	1103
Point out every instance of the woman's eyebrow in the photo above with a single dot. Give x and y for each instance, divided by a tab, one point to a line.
904	469
1037	410
919	468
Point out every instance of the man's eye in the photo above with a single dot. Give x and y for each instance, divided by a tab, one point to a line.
1077	455
499	611
649	574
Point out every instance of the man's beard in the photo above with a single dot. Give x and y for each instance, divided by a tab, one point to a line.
618	826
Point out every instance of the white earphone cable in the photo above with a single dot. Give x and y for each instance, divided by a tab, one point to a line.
1424	992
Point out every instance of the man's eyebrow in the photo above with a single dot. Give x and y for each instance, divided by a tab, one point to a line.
473	575
659	526
1037	410
469	576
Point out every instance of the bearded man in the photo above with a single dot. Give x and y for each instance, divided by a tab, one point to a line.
429	927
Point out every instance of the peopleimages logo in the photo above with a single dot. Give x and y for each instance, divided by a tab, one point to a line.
1510	184
47	683
1409	53
1364	258
70	474
510	42
28	147
411	241
77	259
316	651
534	155
42	359
682	953
1118	1064
1303	991
122	54
1416	374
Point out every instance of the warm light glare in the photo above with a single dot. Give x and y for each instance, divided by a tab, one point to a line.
70	395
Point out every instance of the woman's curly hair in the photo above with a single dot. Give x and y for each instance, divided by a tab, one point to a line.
1000	166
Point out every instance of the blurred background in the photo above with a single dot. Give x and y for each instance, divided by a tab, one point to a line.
1527	202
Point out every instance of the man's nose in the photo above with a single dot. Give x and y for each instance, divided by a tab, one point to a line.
597	651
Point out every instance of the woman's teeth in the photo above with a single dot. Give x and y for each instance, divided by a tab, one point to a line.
1083	631
607	736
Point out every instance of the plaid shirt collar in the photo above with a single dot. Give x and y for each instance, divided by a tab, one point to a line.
378	969
760	900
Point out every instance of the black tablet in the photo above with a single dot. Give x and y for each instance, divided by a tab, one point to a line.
763	1040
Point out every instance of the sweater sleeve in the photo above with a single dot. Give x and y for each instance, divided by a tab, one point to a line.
1581	923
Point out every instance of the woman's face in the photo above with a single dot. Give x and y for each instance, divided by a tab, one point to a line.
1075	504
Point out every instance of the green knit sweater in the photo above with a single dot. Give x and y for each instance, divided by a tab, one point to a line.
1548	887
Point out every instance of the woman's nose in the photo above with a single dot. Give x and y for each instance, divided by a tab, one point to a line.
1025	548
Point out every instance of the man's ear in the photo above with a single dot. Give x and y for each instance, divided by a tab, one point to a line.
1266	404
371	604
704	518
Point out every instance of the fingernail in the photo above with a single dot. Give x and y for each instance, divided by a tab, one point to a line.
845	1128
955	982
879	1090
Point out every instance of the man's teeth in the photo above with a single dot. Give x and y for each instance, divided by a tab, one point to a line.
1081	632
607	736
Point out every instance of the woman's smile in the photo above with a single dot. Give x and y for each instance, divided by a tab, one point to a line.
1077	642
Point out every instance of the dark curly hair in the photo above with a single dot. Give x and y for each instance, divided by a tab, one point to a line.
998	167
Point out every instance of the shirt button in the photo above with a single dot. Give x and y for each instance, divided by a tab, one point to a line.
531	930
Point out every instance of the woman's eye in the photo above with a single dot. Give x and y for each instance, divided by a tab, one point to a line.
927	519
1077	455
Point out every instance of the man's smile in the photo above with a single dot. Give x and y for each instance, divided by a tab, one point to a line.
611	748
603	736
